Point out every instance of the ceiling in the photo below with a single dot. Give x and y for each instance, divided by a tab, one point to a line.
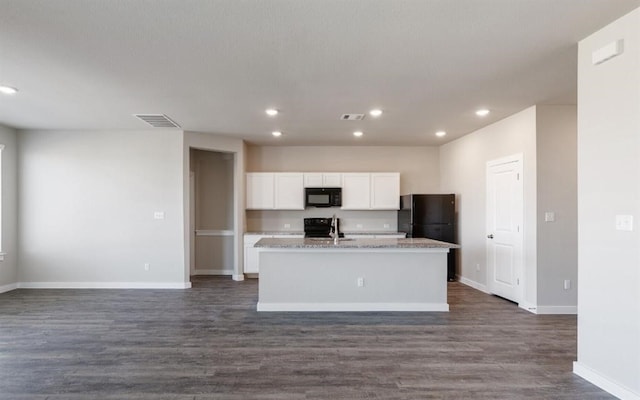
215	65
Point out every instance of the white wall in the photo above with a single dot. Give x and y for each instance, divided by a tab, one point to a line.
463	171
418	165
206	141
9	262
609	185
87	203
557	242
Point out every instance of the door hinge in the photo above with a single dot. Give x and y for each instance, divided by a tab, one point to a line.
518	281
518	176
518	228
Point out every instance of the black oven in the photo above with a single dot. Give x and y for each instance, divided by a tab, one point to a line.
323	197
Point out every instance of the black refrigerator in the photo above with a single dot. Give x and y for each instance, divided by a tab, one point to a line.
430	216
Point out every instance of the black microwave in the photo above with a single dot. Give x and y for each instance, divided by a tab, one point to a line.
323	197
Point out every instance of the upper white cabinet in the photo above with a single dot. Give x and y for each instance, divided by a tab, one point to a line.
385	191
374	191
322	179
355	191
289	193
260	191
360	190
274	191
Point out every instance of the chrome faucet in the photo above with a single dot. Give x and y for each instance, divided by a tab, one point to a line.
335	235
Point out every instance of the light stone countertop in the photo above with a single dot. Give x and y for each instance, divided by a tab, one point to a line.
379	233
319	243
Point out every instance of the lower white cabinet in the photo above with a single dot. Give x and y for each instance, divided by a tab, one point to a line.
251	253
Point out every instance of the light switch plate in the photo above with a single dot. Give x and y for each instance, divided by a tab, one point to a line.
624	222
549	216
158	215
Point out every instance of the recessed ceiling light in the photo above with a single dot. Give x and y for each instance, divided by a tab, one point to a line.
376	112
441	133
276	133
8	90
482	112
357	133
272	112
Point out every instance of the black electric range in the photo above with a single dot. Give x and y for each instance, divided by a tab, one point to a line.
319	228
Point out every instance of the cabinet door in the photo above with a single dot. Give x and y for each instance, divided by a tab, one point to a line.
313	179
250	260
289	191
332	180
251	253
385	191
355	191
260	194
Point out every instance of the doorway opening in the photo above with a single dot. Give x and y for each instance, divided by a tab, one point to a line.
211	219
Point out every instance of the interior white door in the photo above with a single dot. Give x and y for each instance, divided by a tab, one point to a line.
504	227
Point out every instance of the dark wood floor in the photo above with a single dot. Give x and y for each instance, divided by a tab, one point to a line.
210	343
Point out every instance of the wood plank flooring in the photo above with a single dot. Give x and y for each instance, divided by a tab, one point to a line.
209	343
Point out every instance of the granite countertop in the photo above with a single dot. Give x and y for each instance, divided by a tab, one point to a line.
379	233
275	233
390	243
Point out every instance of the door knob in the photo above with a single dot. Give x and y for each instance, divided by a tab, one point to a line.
490	236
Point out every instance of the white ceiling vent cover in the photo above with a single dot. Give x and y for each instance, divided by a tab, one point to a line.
157	120
352	117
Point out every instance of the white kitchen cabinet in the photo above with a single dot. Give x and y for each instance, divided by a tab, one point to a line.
385	191
289	191
251	253
371	191
356	191
322	179
260	191
274	191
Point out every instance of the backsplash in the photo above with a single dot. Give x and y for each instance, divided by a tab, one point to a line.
350	221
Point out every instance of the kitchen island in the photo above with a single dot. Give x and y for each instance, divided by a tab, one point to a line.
352	274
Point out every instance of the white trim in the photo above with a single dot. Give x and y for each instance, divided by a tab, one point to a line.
532	308
214	232
238	277
604	383
557	310
352	307
473	284
104	285
213	271
8	288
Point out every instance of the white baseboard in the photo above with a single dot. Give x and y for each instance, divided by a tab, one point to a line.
238	277
213	272
104	285
532	308
352	307
604	383
473	284
557	310
8	288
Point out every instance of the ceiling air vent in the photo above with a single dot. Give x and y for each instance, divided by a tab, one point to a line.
157	120
352	117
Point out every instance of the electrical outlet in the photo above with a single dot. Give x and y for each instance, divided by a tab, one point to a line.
360	282
147	266
287	226
359	226
567	284
386	225
477	267
158	215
